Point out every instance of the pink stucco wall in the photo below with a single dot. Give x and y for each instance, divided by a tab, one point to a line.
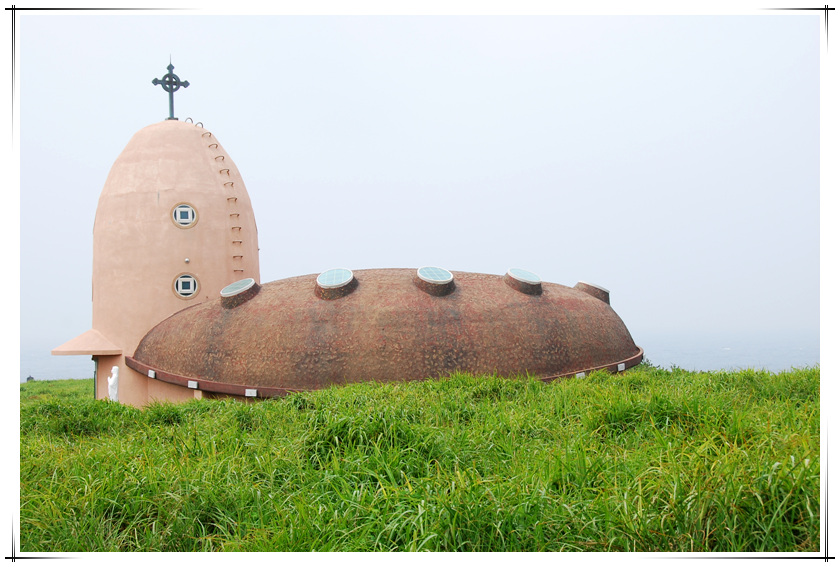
139	251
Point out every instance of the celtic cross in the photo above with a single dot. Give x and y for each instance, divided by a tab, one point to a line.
171	83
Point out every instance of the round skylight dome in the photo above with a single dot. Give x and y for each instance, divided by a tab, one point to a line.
524	281
524	276
605	290
335	283
238	287
335	278
239	292
595	291
434	275
434	280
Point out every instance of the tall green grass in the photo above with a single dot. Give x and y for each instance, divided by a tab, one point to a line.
650	460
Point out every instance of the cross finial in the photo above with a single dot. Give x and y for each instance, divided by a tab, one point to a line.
171	83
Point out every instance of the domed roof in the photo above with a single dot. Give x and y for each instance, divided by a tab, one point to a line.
170	155
383	325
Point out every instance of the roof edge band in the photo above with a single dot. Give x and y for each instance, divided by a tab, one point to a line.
243	390
619	366
207	385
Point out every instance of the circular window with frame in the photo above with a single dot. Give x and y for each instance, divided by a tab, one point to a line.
184	215
186	286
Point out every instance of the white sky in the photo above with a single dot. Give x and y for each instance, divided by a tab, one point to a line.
674	160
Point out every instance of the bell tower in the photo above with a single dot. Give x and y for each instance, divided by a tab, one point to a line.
174	225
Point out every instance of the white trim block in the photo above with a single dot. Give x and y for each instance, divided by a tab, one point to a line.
250	393
151	373
192	384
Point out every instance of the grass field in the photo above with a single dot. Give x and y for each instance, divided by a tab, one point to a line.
650	460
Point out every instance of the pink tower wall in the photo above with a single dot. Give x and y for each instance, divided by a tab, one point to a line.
139	251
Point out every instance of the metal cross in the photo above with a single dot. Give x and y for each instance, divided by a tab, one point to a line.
171	83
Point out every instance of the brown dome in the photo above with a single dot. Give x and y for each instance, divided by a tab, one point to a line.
386	326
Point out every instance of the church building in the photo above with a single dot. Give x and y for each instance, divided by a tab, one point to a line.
179	311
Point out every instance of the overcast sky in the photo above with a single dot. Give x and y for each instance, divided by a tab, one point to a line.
674	160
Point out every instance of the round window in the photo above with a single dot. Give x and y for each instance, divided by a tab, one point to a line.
523	281
434	275
435	281
335	278
186	286
238	287
524	276
335	283
184	215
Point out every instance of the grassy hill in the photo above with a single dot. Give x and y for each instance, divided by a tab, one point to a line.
650	460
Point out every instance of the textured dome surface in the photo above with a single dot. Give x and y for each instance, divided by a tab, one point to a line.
287	335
